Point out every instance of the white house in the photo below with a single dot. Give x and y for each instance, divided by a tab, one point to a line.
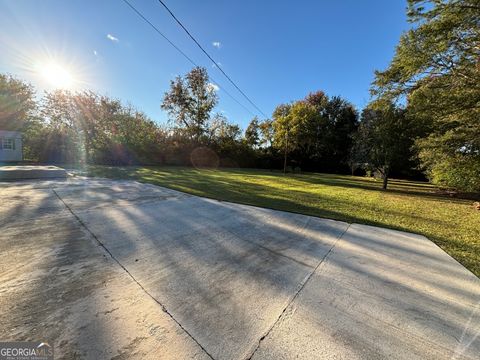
11	148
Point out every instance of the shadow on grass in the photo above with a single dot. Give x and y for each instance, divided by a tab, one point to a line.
231	258
237	186
184	263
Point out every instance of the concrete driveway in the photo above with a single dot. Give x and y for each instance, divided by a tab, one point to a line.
122	270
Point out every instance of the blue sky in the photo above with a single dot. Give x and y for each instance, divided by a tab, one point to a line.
276	51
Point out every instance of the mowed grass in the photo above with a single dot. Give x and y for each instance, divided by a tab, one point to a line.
416	207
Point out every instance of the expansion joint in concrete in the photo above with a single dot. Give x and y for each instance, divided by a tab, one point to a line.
164	309
292	299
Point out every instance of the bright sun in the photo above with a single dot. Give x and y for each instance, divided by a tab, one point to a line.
57	75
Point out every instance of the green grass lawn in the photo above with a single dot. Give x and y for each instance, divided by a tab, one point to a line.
451	223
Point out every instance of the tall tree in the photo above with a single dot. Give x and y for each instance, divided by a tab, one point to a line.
89	128
383	137
323	131
190	101
220	130
436	68
252	133
64	136
291	127
343	120
284	131
330	130
17	103
19	112
266	133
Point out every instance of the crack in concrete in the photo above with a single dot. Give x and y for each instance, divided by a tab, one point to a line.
285	311
277	253
164	309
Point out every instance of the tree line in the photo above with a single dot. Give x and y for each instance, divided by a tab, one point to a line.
317	133
423	119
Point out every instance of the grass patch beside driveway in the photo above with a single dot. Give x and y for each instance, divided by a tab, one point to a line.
410	206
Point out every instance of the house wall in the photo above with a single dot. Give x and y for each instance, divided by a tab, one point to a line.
15	154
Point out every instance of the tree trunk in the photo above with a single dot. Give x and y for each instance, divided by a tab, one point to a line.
385	180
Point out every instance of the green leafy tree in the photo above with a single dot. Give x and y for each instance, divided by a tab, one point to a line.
19	112
266	133
436	68
63	136
291	126
220	130
316	132
252	133
317	128
17	103
383	137
190	102
284	131
343	120
89	128
330	130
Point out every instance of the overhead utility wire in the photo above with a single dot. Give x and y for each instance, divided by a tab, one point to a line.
208	55
183	53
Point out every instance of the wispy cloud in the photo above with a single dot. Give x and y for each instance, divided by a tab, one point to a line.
112	38
95	52
213	87
217	44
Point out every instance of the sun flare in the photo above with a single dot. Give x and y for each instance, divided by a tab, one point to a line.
57	75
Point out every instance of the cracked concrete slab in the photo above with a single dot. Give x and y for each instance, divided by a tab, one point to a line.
382	294
224	271
119	269
58	285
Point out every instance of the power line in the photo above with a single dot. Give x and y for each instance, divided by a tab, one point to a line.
208	55
183	53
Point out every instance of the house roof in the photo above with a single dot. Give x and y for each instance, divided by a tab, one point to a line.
7	133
